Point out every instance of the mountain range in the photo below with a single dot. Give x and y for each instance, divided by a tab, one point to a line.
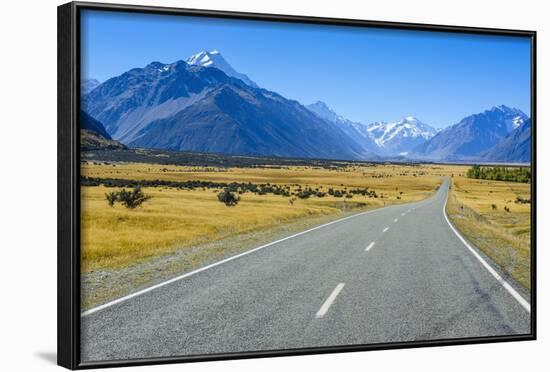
400	137
356	131
514	148
473	137
180	106
203	104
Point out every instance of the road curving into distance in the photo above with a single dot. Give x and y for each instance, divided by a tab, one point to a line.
399	273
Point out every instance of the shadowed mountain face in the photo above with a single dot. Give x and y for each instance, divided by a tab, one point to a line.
236	119
186	107
93	135
89	123
127	103
514	148
472	136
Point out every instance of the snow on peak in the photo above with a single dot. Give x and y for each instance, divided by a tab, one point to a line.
199	58
216	60
409	127
513	117
517	121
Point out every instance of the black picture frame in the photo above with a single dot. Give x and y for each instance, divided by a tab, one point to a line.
68	317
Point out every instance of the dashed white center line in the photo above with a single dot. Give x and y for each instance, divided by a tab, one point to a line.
409	211
369	247
395	220
324	308
386	229
402	214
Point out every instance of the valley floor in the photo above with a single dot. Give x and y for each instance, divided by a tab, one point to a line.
180	229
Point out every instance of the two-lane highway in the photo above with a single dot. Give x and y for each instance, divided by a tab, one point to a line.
395	274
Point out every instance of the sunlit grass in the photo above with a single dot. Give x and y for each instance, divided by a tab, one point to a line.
477	208
174	219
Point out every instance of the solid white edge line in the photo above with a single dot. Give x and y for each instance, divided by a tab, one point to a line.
489	268
183	276
329	301
369	247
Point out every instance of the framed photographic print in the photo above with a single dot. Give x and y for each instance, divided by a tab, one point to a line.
236	185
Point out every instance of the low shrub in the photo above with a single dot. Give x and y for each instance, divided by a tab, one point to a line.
228	198
130	199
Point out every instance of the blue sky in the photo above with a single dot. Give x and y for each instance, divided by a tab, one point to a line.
364	74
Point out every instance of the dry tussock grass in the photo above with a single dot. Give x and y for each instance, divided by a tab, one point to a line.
477	208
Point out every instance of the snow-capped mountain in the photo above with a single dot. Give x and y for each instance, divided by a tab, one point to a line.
472	136
514	117
388	139
186	107
357	131
400	137
204	105
514	148
215	59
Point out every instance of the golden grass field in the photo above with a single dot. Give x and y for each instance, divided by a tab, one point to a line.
173	218
177	221
476	207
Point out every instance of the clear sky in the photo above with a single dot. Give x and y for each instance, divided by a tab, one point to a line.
364	74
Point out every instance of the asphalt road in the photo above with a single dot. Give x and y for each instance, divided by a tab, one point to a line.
395	274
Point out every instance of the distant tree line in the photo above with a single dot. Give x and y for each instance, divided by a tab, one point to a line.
516	174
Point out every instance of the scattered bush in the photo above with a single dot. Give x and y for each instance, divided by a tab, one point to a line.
520	200
130	199
111	198
228	198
